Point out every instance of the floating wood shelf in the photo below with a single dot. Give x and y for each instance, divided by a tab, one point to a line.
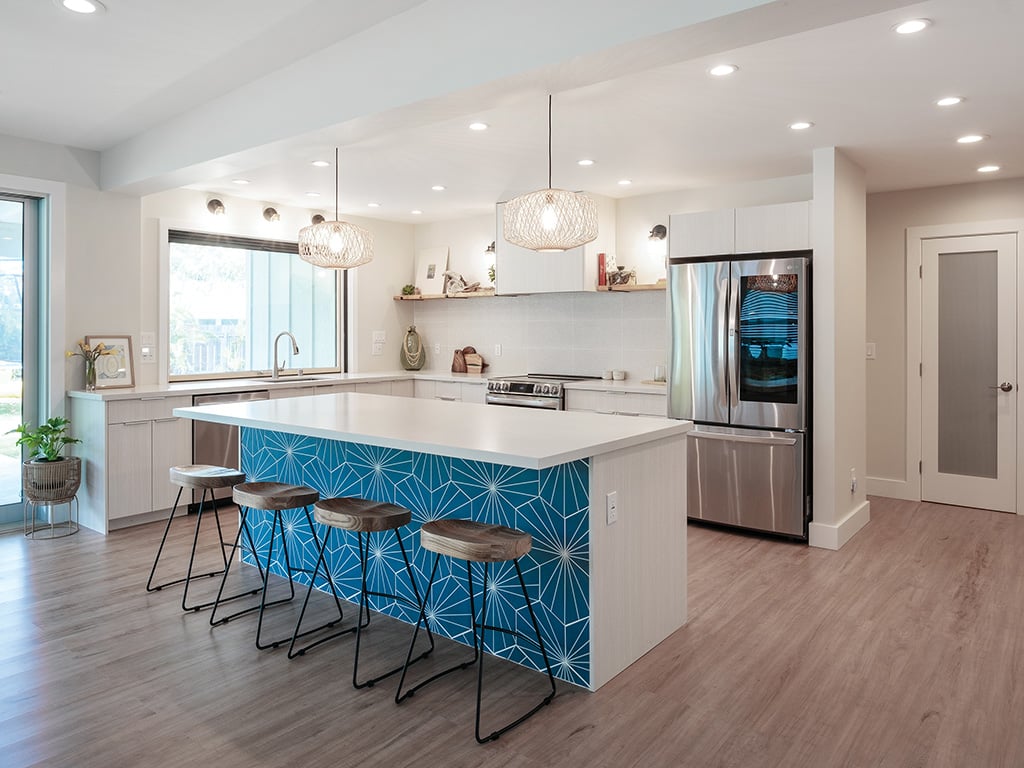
433	296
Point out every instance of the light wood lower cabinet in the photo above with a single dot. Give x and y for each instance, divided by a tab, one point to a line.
128	447
616	402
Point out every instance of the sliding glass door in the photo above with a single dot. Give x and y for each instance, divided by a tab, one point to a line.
19	262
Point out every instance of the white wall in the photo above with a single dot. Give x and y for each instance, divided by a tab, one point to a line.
371	287
838	429
466	240
889	214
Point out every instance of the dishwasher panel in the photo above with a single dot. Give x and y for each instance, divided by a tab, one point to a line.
748	478
217	444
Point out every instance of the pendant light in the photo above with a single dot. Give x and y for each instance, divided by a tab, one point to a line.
335	244
550	220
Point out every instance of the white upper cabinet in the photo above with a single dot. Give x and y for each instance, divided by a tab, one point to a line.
767	228
520	270
758	229
706	233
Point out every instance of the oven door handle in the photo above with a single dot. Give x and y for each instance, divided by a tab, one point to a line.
548	403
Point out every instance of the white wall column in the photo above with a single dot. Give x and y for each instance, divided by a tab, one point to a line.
840	405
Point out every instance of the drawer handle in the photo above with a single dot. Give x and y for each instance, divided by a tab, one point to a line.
446	399
725	437
152	398
164	421
625	413
136	423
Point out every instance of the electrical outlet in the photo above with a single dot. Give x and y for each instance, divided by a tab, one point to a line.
380	337
497	350
378	348
437	349
612	508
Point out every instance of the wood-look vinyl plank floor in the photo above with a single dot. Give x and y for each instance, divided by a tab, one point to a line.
905	648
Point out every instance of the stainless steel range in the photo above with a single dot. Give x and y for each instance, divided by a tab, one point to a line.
534	390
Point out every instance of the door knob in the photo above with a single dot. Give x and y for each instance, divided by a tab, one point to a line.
1005	386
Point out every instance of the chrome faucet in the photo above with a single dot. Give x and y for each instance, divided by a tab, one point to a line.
295	350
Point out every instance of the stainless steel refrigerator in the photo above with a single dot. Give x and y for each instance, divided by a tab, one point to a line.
739	369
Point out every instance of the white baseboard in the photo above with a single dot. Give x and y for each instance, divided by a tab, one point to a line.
835	536
891	489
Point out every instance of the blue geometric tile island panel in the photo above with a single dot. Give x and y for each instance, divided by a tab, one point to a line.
550	504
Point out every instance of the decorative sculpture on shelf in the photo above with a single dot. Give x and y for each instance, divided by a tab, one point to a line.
456	283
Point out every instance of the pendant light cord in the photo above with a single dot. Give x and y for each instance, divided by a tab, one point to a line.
336	184
549	141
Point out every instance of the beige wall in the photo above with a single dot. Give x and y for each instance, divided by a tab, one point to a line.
889	214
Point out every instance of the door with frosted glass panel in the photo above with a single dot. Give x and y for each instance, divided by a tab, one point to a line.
969	371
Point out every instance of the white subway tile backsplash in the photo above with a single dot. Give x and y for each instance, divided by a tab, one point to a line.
578	333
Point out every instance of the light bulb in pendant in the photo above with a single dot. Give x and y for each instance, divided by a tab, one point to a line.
335	242
549	218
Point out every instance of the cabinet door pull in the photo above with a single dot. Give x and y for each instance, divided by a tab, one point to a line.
152	397
164	421
136	423
446	398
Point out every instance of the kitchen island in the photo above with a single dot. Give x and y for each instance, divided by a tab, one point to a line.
609	583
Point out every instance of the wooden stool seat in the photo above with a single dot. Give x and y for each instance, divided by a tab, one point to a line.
360	515
475	541
274	497
206	476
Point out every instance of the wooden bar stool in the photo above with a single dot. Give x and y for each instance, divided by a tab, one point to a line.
481	543
207	479
361	516
269	497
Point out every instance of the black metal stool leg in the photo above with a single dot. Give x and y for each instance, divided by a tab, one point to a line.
243	528
292	650
363	602
195	543
480	673
266	580
160	549
399	695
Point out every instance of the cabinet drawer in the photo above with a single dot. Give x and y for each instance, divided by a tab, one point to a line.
447	390
584	400
639	403
474	393
374	387
144	408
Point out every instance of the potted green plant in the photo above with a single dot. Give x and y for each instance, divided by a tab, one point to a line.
48	475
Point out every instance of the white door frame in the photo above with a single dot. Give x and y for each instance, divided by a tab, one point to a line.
915	236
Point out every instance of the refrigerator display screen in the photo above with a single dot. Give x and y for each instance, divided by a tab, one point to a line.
769	323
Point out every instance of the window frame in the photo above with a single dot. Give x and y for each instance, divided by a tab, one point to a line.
163	334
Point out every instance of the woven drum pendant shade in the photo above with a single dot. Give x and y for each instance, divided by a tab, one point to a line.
550	219
335	244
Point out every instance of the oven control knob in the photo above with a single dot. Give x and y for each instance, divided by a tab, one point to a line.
545	389
505	386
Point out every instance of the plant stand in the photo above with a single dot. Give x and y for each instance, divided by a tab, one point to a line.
51	484
53	529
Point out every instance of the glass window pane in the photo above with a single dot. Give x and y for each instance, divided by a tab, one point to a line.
228	302
967	334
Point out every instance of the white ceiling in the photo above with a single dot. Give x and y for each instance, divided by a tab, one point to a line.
642	108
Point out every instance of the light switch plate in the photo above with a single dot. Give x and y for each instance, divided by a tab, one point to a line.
380	337
378	348
870	349
147	342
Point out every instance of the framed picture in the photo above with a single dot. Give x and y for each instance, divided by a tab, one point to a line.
116	369
431	264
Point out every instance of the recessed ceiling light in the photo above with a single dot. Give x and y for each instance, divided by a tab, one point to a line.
988	169
373	205
416	212
584	162
438	187
478	126
624	182
912	26
83	6
721	70
312	194
949	101
240	181
971	138
801	125
321	163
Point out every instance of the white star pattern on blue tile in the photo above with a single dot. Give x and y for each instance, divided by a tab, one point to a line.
552	505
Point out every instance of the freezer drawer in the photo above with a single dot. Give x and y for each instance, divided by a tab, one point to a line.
747	478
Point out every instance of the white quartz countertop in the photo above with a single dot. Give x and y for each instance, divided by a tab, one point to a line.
604	385
519	437
287	380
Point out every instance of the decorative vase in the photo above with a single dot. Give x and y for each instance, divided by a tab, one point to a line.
90	375
413	354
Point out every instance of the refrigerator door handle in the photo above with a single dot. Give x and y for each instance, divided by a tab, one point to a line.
742	438
734	346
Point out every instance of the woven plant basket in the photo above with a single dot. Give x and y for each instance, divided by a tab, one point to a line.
51	481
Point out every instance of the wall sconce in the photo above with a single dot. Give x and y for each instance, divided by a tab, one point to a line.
271	214
318	219
489	250
215	206
658	232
